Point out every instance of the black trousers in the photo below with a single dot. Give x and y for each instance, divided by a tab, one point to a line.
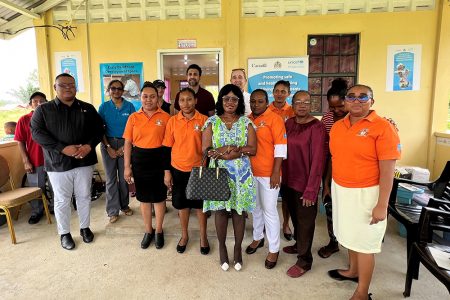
304	220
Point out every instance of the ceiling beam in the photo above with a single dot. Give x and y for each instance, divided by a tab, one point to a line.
19	9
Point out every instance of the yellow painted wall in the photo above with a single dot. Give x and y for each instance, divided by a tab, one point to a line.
266	37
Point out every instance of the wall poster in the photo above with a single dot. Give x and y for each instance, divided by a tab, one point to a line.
263	73
131	74
403	67
70	63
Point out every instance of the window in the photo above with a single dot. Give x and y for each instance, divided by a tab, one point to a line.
330	57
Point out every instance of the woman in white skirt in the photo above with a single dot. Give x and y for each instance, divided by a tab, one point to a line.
364	148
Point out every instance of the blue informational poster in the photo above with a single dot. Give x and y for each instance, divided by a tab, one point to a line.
69	66
131	74
263	73
70	63
403	67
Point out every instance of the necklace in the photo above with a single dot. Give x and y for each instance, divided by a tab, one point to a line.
230	122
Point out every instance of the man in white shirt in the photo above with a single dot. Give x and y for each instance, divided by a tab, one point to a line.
239	79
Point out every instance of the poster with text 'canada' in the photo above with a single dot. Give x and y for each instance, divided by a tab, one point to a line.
263	73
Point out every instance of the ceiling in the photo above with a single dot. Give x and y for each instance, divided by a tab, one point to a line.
18	14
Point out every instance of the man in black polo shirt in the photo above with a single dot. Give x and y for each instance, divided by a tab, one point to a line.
205	100
68	131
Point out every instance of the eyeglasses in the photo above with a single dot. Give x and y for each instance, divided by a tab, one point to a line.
232	99
361	98
302	102
66	85
113	88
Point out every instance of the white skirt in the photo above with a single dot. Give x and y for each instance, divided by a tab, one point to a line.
352	213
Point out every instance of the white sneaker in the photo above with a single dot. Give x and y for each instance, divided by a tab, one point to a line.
237	266
225	266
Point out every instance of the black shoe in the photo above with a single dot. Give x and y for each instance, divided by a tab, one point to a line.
67	241
148	237
87	235
180	248
338	276
251	250
369	296
34	219
287	236
159	240
204	250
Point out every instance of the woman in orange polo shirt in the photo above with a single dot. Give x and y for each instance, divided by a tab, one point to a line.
266	167
363	171
147	161
184	136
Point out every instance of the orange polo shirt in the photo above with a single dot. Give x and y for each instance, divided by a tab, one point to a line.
285	112
145	132
270	131
357	149
185	138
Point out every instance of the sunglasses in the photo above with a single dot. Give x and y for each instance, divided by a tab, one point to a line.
360	98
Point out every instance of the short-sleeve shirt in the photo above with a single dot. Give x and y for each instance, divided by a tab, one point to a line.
146	132
270	131
285	112
115	118
357	149
205	101
23	134
185	138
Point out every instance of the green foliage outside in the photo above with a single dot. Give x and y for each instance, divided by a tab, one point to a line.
23	93
10	115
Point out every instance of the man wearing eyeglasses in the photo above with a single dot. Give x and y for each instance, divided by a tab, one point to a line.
205	100
238	78
68	130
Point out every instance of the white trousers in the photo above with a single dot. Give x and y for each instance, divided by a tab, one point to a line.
266	215
76	182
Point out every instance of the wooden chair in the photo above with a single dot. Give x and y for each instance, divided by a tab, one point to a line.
16	197
431	220
409	215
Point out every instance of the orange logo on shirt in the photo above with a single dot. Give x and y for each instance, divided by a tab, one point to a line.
196	127
159	122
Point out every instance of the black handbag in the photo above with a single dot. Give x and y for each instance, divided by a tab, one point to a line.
208	183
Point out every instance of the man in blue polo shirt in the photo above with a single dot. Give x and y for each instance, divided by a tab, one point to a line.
115	115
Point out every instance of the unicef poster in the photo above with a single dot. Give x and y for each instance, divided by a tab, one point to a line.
263	73
403	67
70	63
131	74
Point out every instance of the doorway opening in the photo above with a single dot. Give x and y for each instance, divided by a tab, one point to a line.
172	65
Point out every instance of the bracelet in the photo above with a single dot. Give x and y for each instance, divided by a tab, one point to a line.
108	146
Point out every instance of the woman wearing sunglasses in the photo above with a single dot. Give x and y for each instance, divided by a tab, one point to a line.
115	115
363	171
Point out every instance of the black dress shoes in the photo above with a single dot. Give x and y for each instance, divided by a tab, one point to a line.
159	240
34	219
148	237
87	235
205	250
251	250
67	241
338	276
181	248
271	264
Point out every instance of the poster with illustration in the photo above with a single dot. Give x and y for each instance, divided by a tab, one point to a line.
70	63
263	73
403	67
130	73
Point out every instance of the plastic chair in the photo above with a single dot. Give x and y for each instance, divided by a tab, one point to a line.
431	220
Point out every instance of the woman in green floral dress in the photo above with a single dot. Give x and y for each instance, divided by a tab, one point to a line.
233	138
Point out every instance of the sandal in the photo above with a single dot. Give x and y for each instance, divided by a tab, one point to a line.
128	212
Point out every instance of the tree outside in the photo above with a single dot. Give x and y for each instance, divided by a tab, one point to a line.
23	93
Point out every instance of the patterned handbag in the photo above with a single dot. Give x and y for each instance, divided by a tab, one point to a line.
208	183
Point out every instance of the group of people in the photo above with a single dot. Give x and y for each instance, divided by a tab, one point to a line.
273	149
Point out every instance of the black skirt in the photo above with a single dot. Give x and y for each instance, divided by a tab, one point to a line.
148	173
179	200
